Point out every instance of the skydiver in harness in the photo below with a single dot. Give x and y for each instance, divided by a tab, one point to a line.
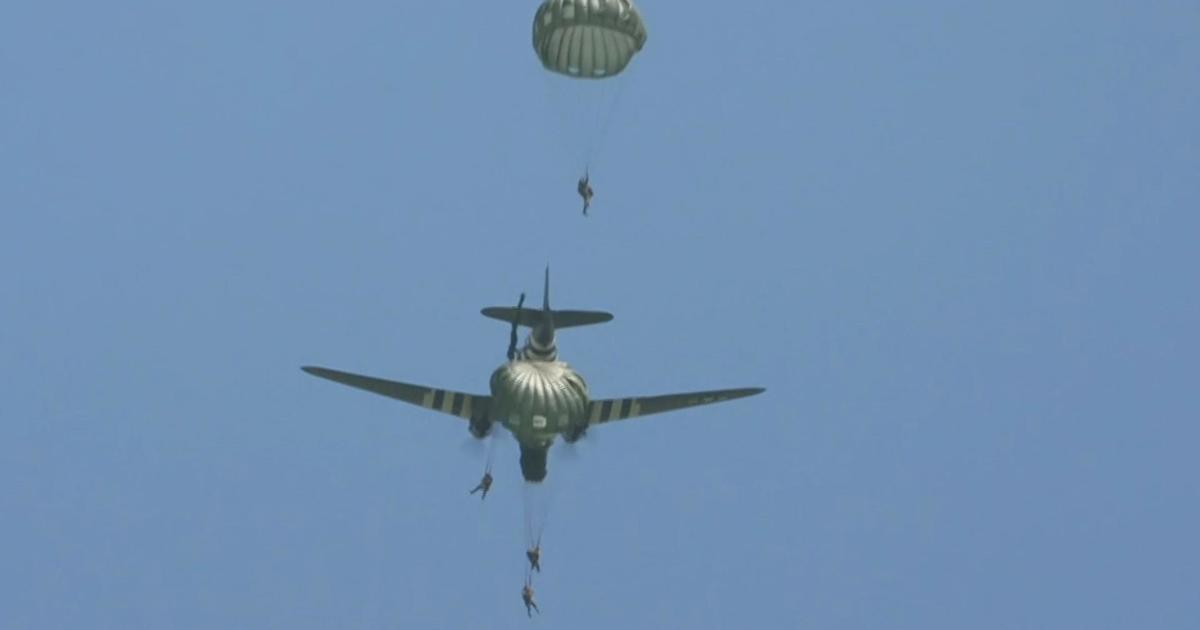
485	484
512	337
527	597
535	558
585	191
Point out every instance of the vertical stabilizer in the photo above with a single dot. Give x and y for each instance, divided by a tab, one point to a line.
543	334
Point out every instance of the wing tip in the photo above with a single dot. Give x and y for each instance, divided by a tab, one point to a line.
317	371
745	392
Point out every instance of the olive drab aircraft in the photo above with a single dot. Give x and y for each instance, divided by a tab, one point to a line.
534	395
586	48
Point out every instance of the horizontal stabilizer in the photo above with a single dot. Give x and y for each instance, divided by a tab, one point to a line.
562	319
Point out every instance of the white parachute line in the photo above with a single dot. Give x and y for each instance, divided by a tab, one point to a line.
556	97
605	116
491	451
538	539
527	509
537	500
585	109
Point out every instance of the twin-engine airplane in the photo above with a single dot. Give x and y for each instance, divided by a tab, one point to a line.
534	395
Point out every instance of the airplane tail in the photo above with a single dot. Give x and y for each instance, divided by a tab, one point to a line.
547	318
542	339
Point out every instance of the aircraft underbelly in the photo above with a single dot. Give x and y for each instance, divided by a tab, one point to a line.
536	400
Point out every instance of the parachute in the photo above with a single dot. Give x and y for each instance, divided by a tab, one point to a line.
586	45
587	39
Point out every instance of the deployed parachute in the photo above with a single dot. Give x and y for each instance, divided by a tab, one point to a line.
587	39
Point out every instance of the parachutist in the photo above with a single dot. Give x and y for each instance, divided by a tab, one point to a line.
585	191
485	484
512	338
527	597
535	558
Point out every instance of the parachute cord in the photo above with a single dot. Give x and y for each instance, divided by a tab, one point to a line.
596	143
528	527
528	512
537	538
537	511
559	98
597	99
491	452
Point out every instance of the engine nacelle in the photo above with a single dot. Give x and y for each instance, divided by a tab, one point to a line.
481	427
575	433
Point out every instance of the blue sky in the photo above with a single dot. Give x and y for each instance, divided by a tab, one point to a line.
953	241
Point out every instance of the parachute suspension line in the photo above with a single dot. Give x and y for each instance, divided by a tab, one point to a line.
491	452
537	543
528	514
512	337
604	116
562	97
535	536
537	511
584	109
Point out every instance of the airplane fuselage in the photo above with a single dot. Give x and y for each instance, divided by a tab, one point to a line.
537	400
534	395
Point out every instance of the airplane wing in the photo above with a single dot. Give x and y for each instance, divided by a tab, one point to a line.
465	406
602	411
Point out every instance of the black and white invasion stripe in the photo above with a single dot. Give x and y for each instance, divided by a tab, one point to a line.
601	411
535	351
454	403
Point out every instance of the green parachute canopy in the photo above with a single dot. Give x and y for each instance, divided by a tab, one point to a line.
587	39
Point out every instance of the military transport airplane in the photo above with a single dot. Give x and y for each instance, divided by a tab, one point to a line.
534	395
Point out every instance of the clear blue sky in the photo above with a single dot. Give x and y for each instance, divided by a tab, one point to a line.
958	243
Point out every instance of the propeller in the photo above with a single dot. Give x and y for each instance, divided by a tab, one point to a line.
585	442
